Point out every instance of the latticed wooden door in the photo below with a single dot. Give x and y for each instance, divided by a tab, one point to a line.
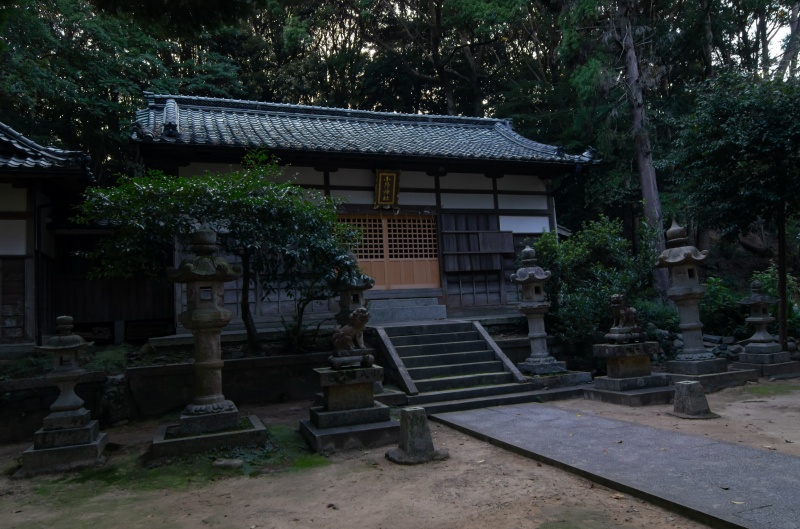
399	252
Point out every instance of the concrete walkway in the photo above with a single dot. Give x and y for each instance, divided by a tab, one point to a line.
716	483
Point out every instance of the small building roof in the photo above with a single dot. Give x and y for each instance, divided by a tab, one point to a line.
212	122
20	154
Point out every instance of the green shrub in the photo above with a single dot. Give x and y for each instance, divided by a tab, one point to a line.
769	285
112	360
720	312
29	366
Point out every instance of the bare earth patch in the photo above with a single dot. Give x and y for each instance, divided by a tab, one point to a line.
480	485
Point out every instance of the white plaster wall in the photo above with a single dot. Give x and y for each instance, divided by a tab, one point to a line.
354	197
12	237
464	201
416	179
522	202
524	224
465	181
416	199
517	182
353	177
13	198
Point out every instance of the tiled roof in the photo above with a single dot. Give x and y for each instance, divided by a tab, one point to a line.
203	121
19	153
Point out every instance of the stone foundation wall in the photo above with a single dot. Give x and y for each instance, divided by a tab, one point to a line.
12	300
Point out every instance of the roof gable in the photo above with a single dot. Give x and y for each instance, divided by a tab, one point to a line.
212	122
18	153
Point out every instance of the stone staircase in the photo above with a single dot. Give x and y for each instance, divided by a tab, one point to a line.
455	365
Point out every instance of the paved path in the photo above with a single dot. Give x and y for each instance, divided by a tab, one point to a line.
719	484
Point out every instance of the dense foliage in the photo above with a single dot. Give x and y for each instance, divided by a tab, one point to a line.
287	237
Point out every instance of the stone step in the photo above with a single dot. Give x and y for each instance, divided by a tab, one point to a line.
427	328
425	399
421	373
423	339
399	302
504	400
448	359
454	382
440	348
399	314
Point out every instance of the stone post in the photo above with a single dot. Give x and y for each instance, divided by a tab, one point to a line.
204	275
534	306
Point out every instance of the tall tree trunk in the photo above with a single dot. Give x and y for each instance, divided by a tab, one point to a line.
644	152
782	294
708	44
763	43
793	46
253	343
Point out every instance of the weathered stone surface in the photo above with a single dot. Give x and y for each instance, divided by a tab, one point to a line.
605	350
691	402
209	423
634	398
628	366
67	419
697	367
416	443
358	375
349	397
716	381
782	370
40	461
559	380
322	418
163	446
771	358
547	367
65	436
371	435
632	383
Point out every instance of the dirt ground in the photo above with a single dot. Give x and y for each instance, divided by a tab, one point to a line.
479	486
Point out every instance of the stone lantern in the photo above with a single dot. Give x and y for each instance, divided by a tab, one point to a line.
205	275
534	306
350	288
69	438
762	352
693	361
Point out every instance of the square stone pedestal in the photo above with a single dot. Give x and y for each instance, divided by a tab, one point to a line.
68	440
171	441
778	365
712	374
630	381
350	417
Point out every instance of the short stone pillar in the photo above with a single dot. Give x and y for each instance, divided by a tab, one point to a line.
534	306
69	438
629	379
694	361
691	401
209	412
416	443
762	352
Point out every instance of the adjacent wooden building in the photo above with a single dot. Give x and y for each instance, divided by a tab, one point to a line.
444	202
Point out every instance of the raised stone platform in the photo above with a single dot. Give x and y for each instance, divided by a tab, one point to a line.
559	380
717	381
630	381
166	443
62	458
697	367
789	369
349	417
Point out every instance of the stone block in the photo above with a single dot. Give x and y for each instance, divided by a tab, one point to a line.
35	461
360	436
559	380
607	350
772	358
547	368
349	397
209	422
716	381
43	439
163	446
781	370
633	383
357	375
697	367
691	402
67	419
633	398
628	366
324	419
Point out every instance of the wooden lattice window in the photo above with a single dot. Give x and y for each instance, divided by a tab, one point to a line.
371	236
399	237
412	237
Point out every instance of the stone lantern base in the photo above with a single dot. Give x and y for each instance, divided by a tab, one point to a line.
630	380
350	417
768	361
712	374
67	440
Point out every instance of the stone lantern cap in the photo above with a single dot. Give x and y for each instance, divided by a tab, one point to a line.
530	273
64	341
679	251
344	281
757	297
204	265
